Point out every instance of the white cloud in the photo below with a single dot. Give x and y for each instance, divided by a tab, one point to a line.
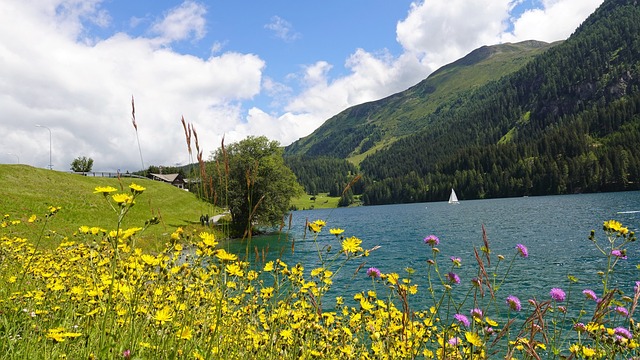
83	92
182	22
555	21
283	29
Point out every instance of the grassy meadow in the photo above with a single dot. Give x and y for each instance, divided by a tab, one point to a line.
27	191
94	292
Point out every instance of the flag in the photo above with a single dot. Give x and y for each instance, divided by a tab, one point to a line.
133	114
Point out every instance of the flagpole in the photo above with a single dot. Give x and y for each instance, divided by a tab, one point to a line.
135	126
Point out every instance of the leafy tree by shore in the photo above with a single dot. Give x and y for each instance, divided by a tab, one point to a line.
252	180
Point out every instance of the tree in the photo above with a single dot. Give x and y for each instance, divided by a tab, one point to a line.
254	182
82	164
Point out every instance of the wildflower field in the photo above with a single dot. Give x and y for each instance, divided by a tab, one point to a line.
99	295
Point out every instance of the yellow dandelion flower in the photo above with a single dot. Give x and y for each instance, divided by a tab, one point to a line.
150	259
336	232
314	227
123	199
208	239
266	293
351	244
234	270
473	338
163	315
490	322
223	255
136	189
104	190
184	333
32	218
588	352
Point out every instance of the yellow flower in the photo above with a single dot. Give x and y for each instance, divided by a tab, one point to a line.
136	189
234	270
473	338
268	266
32	218
184	333
266	293
588	352
223	255
208	239
351	244
104	190
336	232
84	229
150	260
164	315
123	199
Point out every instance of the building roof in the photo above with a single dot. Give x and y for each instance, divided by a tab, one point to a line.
170	178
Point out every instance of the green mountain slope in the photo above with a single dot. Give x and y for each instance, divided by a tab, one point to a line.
363	128
566	121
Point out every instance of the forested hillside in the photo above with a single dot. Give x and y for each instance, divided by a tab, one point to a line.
362	129
566	122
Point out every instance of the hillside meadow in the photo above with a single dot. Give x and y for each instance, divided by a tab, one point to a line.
30	191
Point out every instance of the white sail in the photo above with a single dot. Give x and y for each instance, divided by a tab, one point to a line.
453	199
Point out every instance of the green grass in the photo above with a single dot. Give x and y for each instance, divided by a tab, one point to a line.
323	201
27	190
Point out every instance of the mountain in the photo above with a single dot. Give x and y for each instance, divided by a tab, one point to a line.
564	119
359	130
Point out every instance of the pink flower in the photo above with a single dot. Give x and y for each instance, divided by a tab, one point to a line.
476	313
456	261
373	272
623	332
621	310
621	254
453	278
462	319
558	294
432	240
590	294
514	303
522	250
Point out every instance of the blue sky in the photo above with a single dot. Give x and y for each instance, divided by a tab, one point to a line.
231	68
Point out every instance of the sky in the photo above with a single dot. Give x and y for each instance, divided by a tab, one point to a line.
69	69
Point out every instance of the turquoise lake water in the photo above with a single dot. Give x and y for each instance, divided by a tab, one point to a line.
555	229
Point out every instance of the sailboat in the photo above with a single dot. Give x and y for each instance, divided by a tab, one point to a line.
453	199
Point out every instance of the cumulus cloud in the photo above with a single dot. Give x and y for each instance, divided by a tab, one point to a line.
83	92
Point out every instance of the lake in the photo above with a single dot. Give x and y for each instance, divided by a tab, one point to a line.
555	229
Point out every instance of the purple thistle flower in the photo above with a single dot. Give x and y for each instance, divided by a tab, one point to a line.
637	287
621	254
590	294
453	278
621	310
514	303
373	272
522	250
579	327
462	319
432	240
623	332
454	341
476	313
557	294
126	354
